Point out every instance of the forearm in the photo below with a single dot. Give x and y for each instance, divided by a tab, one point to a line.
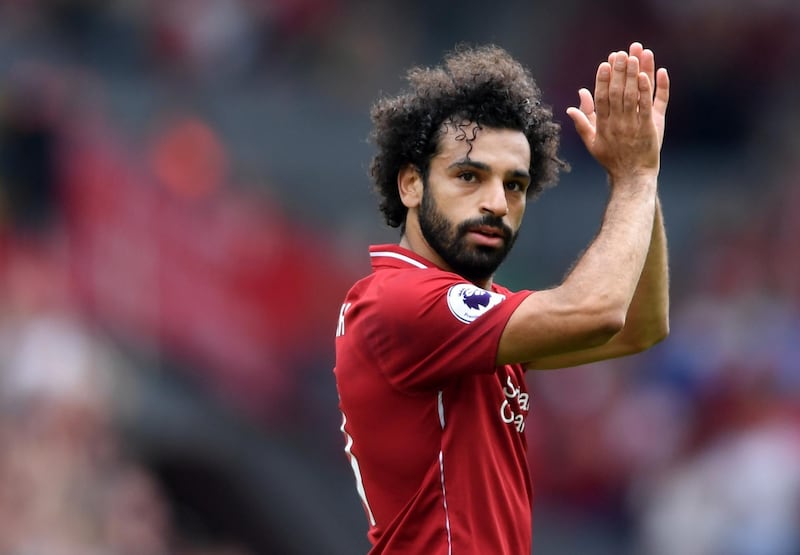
612	288
590	306
610	269
647	321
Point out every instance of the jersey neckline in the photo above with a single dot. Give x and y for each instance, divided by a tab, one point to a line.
395	256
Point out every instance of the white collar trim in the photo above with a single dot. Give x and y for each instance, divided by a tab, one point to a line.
398	256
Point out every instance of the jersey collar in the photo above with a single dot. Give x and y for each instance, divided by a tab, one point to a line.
395	256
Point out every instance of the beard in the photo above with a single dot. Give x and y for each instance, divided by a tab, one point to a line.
474	262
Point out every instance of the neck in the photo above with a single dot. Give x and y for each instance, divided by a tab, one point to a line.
417	244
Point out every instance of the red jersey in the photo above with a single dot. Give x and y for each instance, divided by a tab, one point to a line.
434	430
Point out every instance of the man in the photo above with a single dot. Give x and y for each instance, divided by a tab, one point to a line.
430	353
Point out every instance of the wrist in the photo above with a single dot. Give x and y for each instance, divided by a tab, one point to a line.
634	180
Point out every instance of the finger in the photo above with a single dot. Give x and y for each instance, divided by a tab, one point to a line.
583	126
662	92
631	95
647	63
602	82
645	96
587	103
635	50
616	88
587	106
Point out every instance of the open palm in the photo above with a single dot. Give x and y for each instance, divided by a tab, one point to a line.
585	117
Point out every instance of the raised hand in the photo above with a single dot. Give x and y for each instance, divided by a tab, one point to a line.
622	126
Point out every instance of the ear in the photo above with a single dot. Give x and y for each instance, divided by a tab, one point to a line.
409	185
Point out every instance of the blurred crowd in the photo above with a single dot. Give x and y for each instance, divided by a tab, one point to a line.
68	483
147	230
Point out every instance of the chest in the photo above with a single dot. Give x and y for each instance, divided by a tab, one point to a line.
499	402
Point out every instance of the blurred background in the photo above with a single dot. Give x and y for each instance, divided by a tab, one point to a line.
184	201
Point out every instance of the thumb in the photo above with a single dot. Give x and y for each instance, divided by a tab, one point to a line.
583	126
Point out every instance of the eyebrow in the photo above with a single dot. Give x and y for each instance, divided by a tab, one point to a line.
466	163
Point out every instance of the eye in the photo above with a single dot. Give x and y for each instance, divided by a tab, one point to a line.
468	176
516	186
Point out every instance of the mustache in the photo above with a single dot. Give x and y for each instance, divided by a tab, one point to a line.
487	220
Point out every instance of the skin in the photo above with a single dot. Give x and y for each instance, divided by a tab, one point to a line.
491	180
614	301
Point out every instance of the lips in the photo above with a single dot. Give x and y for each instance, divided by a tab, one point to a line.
489	231
487	236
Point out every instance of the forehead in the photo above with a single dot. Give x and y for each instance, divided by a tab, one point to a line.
499	148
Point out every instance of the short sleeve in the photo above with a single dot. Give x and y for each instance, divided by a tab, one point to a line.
427	329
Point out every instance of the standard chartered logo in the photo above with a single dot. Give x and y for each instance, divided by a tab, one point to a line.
515	405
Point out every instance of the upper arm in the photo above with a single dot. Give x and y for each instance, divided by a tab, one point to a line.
426	329
549	331
550	325
617	346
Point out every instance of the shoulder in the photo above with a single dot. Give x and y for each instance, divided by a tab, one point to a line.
497	288
406	292
417	294
416	282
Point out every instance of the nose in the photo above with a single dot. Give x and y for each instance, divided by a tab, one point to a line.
493	200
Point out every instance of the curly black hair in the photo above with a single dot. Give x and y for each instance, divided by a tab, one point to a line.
479	85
